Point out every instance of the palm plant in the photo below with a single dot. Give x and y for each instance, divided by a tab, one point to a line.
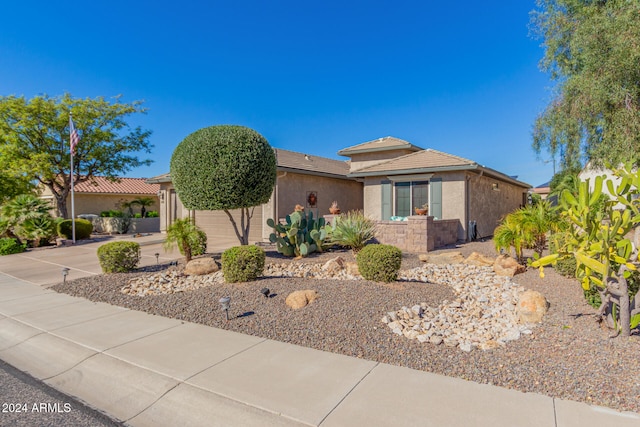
19	211
184	234
509	235
353	230
144	202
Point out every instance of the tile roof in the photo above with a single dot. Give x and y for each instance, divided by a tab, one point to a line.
102	185
424	159
305	162
381	144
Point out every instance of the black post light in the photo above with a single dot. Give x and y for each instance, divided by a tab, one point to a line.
265	292
157	258
65	273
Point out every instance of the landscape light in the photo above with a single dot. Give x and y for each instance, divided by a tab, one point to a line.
225	303
265	292
157	258
65	272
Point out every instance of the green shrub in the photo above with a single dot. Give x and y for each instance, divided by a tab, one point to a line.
84	227
380	263
119	257
10	246
353	230
198	242
153	214
242	263
137	215
112	214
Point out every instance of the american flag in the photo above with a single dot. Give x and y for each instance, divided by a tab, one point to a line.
73	138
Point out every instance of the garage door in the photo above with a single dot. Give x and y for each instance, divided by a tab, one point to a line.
218	226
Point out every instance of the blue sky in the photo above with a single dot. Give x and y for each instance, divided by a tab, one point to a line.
315	77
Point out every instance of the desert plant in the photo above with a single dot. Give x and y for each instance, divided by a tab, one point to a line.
300	235
84	227
144	202
187	236
225	168
16	212
10	246
153	214
380	263
242	263
119	257
38	230
605	258
353	230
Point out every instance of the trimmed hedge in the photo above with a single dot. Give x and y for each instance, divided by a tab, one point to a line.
379	263
242	263
84	228
119	257
223	167
10	246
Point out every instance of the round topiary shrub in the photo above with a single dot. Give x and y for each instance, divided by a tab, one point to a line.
119	257
84	228
380	263
10	246
242	263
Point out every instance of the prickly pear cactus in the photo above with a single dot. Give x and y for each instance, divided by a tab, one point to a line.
300	236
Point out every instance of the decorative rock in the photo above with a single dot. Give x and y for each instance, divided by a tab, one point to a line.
480	260
352	269
333	266
299	299
445	258
201	266
507	266
531	307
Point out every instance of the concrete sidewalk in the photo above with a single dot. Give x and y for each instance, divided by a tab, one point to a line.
148	370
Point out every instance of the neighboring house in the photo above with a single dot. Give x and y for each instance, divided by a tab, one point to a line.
543	190
311	181
99	194
399	176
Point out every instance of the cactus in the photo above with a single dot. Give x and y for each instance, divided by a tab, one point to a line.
300	236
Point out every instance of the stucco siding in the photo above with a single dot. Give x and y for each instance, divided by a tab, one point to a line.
218	226
490	200
293	189
373	198
362	160
454	199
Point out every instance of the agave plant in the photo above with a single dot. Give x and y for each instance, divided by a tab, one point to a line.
353	230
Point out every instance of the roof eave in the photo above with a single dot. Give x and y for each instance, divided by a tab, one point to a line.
414	171
504	177
314	173
348	152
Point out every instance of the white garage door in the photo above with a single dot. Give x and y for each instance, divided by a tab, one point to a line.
219	228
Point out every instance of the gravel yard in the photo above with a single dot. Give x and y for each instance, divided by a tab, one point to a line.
567	356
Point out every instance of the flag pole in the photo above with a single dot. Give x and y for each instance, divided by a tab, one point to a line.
71	151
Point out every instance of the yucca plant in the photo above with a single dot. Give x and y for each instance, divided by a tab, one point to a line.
353	230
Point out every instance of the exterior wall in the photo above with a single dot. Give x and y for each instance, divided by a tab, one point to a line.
488	204
138	225
418	233
362	160
171	207
292	190
453	198
94	203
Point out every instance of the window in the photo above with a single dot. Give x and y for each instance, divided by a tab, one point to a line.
410	195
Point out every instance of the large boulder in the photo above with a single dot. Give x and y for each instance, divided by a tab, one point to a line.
507	266
479	260
201	266
442	258
299	299
531	307
333	266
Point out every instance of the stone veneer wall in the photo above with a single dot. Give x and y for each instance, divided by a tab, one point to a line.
418	233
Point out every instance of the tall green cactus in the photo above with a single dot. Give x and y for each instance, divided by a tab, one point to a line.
300	236
604	255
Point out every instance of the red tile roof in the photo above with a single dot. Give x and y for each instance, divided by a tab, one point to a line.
100	184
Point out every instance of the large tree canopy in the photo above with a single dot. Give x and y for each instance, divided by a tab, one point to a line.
34	140
224	168
592	50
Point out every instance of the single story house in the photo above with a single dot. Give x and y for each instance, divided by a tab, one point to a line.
311	181
386	178
100	194
399	177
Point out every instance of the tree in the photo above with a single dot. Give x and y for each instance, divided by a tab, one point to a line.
34	140
597	241
12	186
592	52
144	202
224	168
